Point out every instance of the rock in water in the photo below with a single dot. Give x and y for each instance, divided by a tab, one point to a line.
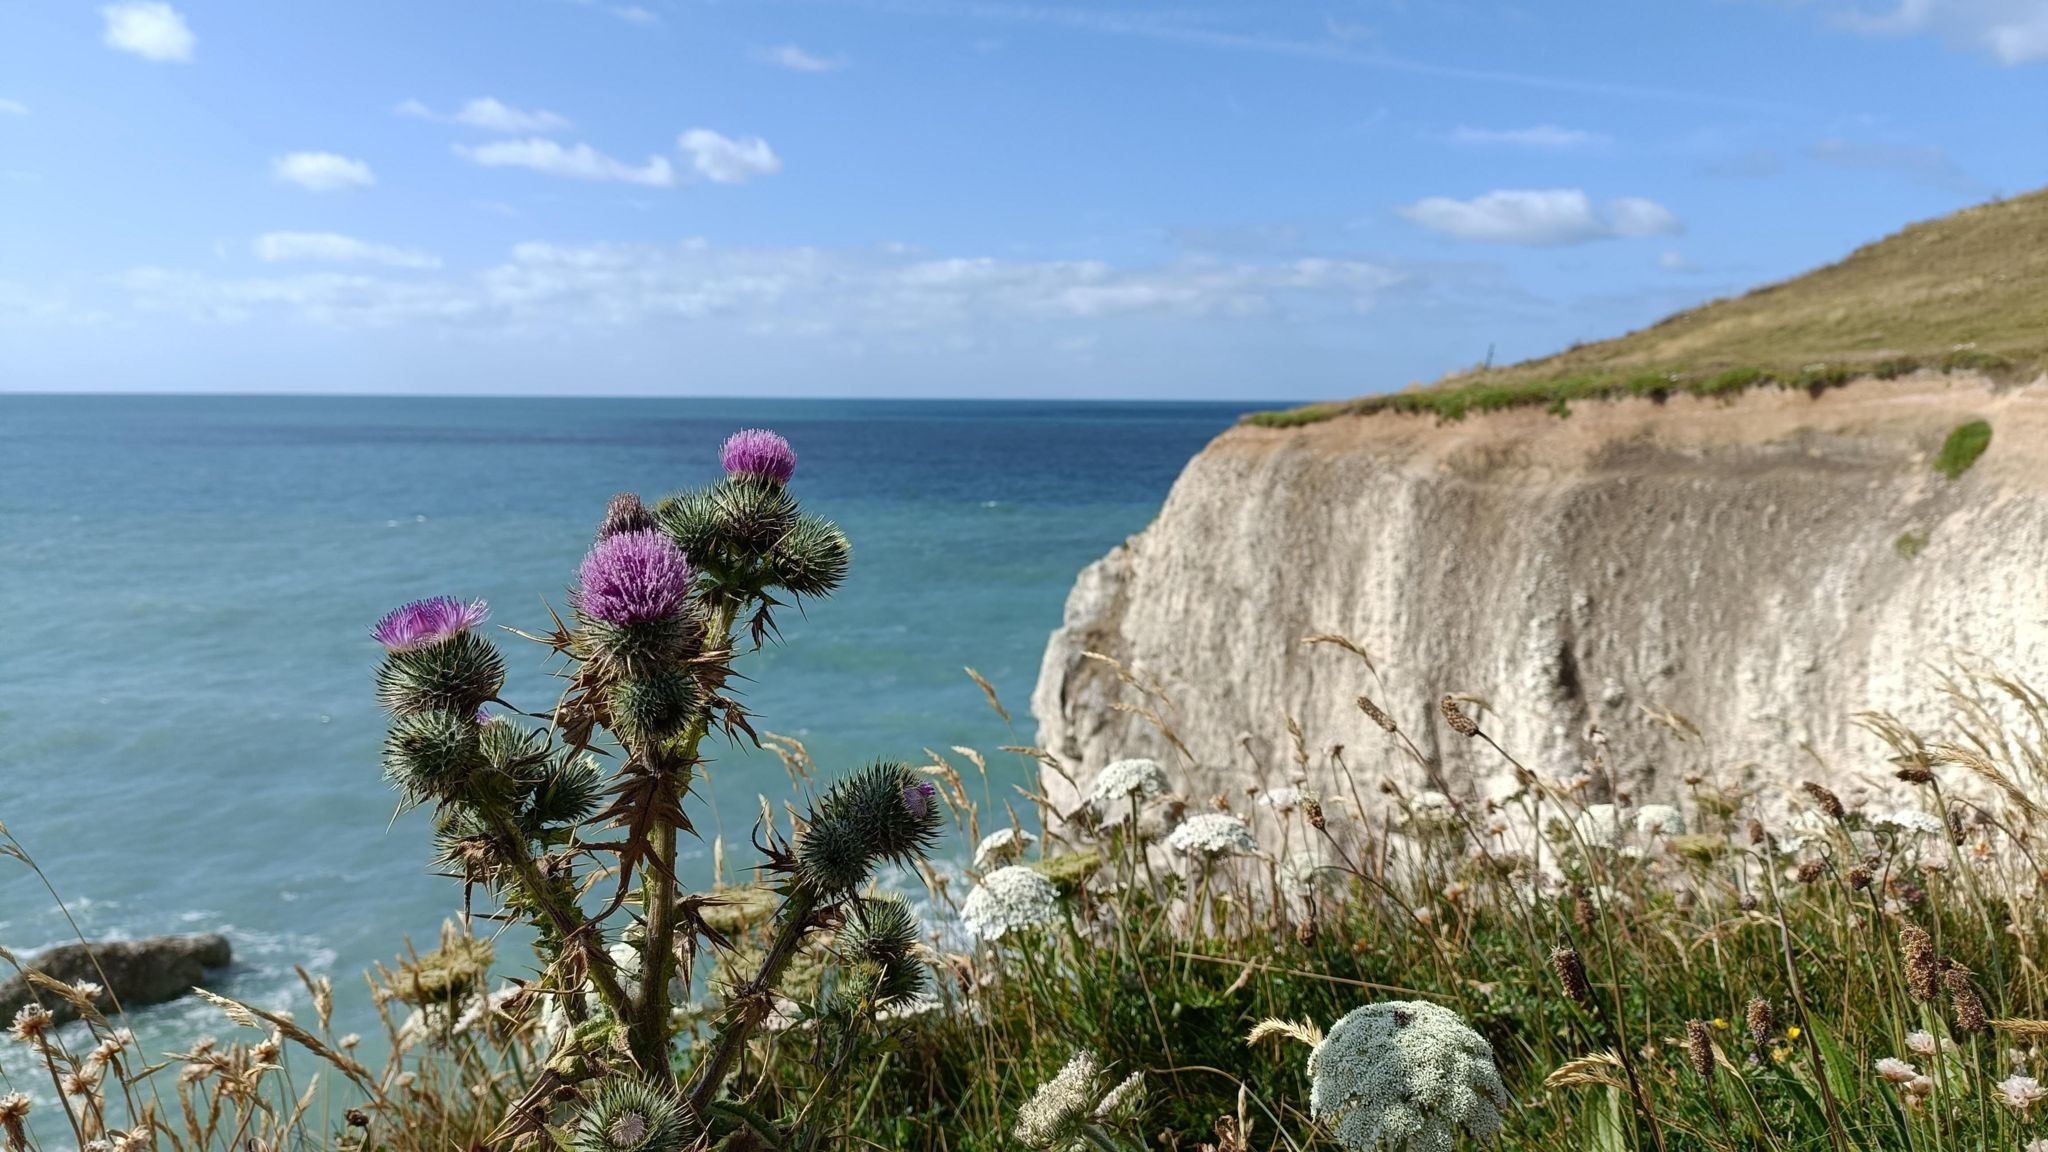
134	972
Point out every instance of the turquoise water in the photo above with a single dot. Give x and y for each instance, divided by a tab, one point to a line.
189	739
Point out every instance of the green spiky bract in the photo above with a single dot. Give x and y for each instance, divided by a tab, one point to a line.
432	755
646	709
567	791
456	675
632	1116
639	648
872	799
511	748
812	558
832	856
691	520
880	942
751	515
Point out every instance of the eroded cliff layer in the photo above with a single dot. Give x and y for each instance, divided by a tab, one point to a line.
1764	567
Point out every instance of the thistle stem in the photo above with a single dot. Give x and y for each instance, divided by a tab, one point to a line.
711	1074
567	919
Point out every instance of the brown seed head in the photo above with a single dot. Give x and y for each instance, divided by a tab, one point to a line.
625	514
1313	809
1747	902
1828	801
14	1120
1958	827
32	1025
356	1118
1584	914
1305	932
1571	972
1757	835
1810	871
1962	998
1915	774
1923	973
1758	1018
1860	877
1378	715
1699	1048
1456	718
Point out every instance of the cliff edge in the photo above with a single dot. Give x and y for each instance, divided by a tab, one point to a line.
1764	566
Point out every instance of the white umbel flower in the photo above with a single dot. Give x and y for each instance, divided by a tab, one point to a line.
1405	1075
1210	835
1010	899
1120	782
1431	812
1909	820
1659	820
1002	846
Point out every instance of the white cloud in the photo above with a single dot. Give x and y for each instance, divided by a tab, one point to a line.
564	289
635	14
153	31
1540	138
723	160
333	248
581	162
491	115
1675	261
1926	162
13	108
1542	218
2011	32
322	171
797	60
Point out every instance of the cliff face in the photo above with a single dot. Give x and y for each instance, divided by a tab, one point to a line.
1747	565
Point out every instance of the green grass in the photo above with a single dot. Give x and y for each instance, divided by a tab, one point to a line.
1963	293
1962	448
1909	545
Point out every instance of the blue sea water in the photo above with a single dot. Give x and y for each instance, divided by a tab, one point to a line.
187	736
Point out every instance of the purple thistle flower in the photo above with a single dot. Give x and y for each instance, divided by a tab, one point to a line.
759	453
426	622
632	578
918	798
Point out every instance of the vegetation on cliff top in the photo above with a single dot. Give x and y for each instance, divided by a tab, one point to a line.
1965	292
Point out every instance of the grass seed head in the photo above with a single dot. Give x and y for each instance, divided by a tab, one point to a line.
1456	718
1699	1048
1828	801
1571	973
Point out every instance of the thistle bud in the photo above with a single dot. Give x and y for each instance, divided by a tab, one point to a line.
625	514
632	1116
1456	718
1699	1048
432	755
884	812
648	709
812	558
750	517
1828	801
1571	973
880	940
1378	715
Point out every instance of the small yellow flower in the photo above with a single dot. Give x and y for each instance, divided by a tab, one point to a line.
1721	1023
1778	1055
1792	1033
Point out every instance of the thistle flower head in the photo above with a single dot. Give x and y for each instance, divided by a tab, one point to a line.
632	1116
919	798
759	453
634	578
1405	1074
457	673
429	621
1122	781
1012	899
624	514
1924	1044
1002	846
1212	835
885	812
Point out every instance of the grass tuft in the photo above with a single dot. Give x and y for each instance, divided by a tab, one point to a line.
1962	448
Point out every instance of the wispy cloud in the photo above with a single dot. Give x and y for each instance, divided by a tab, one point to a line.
1924	162
2011	32
491	115
635	14
151	30
1545	218
334	248
13	108
578	162
322	171
1174	28
1538	138
797	60
723	160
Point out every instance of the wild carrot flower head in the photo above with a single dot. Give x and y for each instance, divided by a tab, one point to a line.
1082	1093
1404	1074
1210	835
1122	781
1002	846
633	578
1012	899
430	621
758	453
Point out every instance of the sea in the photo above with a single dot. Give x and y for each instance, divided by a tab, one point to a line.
188	741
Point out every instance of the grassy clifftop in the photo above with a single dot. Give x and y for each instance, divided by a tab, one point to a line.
1966	292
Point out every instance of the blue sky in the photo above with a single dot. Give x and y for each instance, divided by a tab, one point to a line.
1189	199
